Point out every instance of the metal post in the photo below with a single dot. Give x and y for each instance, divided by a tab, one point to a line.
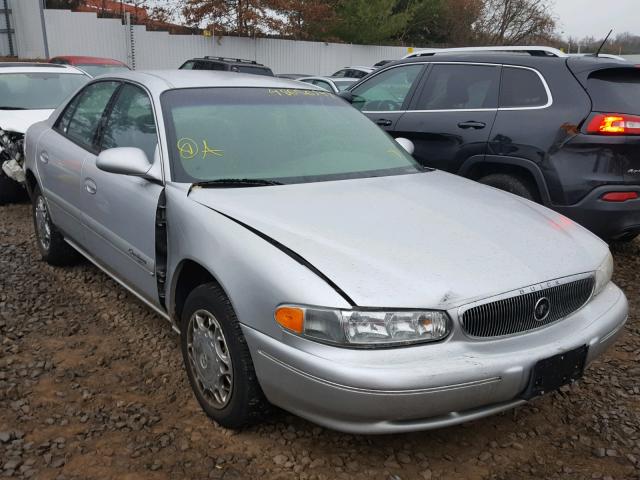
9	32
131	42
44	28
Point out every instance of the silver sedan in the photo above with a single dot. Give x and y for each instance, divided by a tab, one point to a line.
308	261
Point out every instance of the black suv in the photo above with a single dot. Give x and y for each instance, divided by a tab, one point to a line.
563	131
227	65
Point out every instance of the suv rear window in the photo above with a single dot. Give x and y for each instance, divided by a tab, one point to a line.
615	90
521	88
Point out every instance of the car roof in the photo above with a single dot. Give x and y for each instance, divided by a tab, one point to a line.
507	58
24	67
79	59
513	58
231	61
356	67
162	80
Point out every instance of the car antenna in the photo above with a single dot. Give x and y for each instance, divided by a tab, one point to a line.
604	41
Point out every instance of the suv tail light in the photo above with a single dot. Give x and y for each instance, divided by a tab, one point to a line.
614	124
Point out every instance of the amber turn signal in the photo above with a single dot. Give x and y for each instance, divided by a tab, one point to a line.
290	318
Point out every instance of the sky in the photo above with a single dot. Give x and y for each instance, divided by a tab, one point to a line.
581	18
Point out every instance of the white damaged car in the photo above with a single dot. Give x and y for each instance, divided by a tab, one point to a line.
29	92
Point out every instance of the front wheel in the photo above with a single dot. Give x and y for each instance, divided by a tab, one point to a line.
217	360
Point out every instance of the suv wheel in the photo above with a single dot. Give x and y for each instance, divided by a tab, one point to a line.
217	360
513	184
53	249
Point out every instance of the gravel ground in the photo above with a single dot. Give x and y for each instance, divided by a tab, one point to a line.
92	386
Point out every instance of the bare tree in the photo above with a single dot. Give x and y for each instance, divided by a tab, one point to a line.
514	22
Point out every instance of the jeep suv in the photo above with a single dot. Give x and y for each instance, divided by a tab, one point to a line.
227	65
562	131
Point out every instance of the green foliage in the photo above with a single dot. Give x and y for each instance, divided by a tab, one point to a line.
370	21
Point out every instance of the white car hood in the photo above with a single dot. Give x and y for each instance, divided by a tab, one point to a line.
20	120
430	240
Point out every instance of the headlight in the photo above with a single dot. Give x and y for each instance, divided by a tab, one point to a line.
365	328
603	274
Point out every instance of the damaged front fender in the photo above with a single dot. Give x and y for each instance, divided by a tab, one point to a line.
12	155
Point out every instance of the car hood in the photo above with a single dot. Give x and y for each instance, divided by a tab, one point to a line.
429	240
20	120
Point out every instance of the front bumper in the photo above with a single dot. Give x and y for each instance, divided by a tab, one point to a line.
427	386
608	220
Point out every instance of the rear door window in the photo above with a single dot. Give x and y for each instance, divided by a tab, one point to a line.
460	87
615	90
522	88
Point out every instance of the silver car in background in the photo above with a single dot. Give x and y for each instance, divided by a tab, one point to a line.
333	85
308	261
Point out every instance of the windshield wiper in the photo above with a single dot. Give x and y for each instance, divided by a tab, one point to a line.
12	108
235	183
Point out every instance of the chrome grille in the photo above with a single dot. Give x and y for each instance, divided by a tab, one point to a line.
514	313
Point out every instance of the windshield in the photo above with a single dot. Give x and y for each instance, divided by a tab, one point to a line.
95	70
285	135
37	91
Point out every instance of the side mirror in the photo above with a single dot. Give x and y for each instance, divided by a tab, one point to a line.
124	161
406	144
346	96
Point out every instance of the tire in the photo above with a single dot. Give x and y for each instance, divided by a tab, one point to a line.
513	184
211	335
53	249
10	190
626	238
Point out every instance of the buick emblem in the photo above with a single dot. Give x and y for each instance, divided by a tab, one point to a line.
542	309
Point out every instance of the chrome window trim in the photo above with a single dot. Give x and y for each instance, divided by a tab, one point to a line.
496	109
517	293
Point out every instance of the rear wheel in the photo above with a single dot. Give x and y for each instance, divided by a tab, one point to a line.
10	190
217	360
53	249
511	183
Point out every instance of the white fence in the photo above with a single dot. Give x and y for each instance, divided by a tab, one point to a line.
7	38
76	33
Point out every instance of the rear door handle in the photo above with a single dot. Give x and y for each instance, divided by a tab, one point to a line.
90	186
472	124
383	122
44	157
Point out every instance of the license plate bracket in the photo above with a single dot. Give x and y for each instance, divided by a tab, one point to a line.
551	373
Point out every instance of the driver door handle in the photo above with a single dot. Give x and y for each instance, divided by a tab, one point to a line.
44	157
383	122
472	124
90	186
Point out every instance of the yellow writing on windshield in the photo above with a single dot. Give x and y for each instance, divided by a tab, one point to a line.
292	92
189	149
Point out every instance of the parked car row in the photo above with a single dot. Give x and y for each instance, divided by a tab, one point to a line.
312	261
309	261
